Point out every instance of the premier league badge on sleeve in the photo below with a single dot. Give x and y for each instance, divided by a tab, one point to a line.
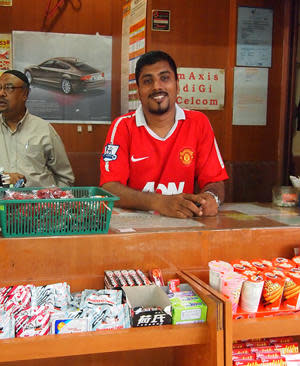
110	152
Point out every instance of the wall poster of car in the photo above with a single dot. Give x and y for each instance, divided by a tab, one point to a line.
69	75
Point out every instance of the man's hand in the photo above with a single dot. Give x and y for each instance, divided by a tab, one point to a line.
14	177
181	205
187	205
178	205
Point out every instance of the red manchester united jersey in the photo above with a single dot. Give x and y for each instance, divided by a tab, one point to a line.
135	156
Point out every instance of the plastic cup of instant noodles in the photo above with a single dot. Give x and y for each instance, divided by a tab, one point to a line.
251	293
216	269
231	285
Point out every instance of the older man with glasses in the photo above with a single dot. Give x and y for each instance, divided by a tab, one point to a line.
30	148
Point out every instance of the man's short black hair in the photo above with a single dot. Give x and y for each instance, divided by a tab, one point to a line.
19	75
151	58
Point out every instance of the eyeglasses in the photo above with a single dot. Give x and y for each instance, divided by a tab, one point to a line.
9	88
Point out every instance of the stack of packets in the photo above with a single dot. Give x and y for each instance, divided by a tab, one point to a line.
187	307
28	310
259	287
279	351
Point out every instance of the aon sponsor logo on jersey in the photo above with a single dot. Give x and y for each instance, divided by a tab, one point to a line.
172	188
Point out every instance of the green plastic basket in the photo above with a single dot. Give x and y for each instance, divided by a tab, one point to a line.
84	214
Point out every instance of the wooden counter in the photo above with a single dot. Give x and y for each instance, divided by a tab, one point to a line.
239	231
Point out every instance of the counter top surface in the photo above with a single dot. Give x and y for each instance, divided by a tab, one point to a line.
231	216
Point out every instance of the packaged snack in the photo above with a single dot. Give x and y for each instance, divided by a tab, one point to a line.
156	277
136	278
216	269
286	348
251	293
272	290
15	298
33	321
291	291
241	265
260	264
231	285
69	325
258	343
246	356
96	298
56	295
143	277
128	278
296	260
7	325
173	285
110	280
287	339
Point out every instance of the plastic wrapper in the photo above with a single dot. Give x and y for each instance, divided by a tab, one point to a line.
156	277
56	295
15	298
109	317
291	291
273	290
94	298
33	321
251	293
7	325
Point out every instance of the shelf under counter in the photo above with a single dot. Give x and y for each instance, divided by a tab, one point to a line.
52	346
274	326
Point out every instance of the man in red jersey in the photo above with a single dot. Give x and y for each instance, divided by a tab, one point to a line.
153	156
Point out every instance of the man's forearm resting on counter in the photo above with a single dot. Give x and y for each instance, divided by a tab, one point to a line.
181	205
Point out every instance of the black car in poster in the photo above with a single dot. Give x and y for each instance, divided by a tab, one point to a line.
66	73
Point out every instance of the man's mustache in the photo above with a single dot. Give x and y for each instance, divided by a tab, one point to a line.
154	94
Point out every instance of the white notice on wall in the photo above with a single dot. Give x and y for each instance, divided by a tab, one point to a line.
250	96
254	38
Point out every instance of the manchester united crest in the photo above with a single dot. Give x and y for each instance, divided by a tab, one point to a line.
186	156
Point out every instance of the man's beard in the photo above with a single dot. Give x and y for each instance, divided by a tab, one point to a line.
160	110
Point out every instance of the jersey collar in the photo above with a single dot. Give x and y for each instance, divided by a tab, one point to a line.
141	121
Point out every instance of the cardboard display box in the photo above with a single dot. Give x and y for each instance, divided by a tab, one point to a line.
149	305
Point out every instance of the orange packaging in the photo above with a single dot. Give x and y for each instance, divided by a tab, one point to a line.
260	343
295	270
287	339
242	357
286	348
272	291
261	264
286	266
241	265
238	344
296	260
291	292
240	351
283	263
275	361
263	349
156	277
247	363
269	355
